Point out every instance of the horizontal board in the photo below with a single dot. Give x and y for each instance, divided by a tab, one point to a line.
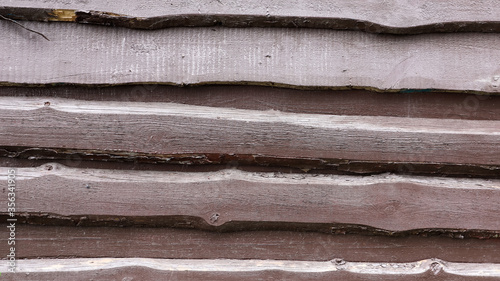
415	104
306	58
198	134
34	242
234	200
395	16
209	163
161	269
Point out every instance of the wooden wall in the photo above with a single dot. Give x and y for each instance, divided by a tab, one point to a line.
356	140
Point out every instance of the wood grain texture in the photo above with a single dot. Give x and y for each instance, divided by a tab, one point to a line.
130	129
414	104
128	242
235	200
395	16
178	269
306	58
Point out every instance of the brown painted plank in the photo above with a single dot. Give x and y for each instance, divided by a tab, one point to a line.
34	242
161	269
344	102
162	131
306	58
395	16
234	200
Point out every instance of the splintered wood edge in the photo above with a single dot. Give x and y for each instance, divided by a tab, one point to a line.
433	266
342	18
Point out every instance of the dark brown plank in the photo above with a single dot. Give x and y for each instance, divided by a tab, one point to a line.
348	102
158	269
395	16
234	200
303	58
97	242
163	132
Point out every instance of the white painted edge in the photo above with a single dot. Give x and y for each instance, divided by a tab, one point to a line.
232	265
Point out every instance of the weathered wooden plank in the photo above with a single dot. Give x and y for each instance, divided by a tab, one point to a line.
344	102
210	163
34	242
234	200
161	269
395	16
163	131
287	57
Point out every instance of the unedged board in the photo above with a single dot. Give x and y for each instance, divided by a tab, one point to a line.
394	16
169	131
288	57
232	199
346	140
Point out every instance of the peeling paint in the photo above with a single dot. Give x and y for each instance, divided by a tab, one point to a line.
62	15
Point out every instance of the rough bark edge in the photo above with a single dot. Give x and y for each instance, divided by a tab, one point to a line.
239	21
433	266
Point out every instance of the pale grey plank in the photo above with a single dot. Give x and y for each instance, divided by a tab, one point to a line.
295	57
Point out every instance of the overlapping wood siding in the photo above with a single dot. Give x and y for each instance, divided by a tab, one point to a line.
216	140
